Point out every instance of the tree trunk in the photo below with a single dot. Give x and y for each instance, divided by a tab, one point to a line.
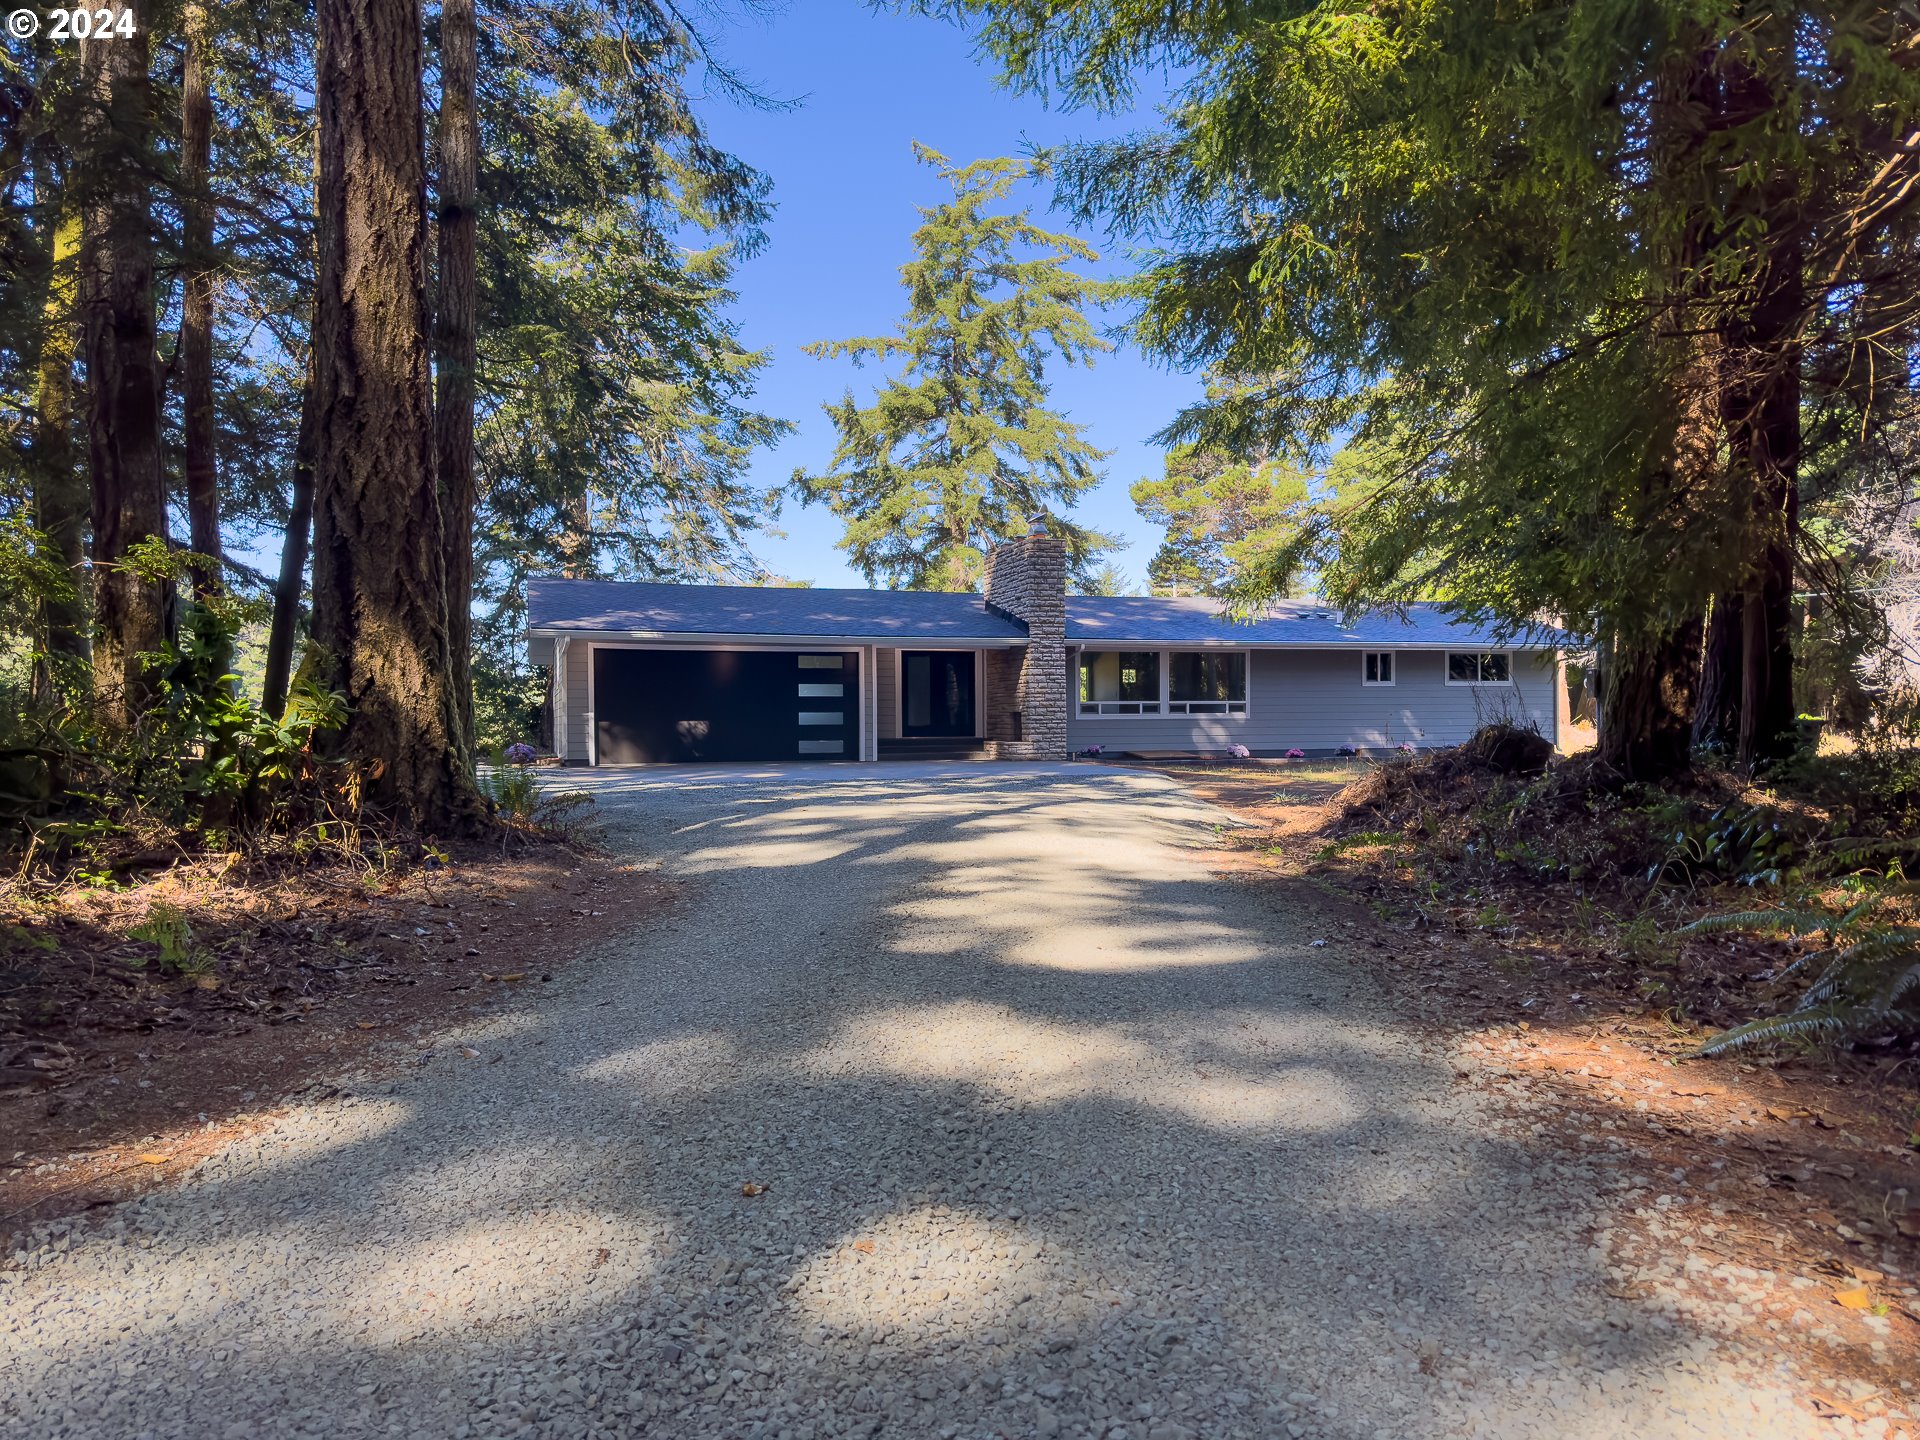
379	567
1716	719
1652	674
454	335
196	316
60	499
1761	409
123	442
293	560
1646	705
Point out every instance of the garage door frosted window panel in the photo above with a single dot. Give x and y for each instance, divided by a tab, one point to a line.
1120	682
1207	684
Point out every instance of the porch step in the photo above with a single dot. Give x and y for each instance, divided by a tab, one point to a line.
932	748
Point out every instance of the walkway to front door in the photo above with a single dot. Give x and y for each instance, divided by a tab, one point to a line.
937	693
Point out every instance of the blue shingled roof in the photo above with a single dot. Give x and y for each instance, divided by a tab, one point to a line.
1093	619
626	606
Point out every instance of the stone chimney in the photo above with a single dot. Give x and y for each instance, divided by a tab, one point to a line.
1027	688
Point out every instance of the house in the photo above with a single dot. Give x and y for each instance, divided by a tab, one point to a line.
647	672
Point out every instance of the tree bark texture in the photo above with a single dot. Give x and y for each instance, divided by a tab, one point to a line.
60	494
196	317
1646	704
123	440
379	570
1652	668
1716	718
1760	401
454	333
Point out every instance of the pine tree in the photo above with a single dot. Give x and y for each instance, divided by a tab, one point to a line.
959	450
379	567
116	291
1223	517
1560	269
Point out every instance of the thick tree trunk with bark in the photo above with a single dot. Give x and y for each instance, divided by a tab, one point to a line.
1761	409
1716	718
1652	673
123	442
379	568
196	317
1646	704
60	499
454	333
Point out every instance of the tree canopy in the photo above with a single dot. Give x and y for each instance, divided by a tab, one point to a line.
959	448
1567	275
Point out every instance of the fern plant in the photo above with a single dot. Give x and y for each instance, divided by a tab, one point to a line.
1869	973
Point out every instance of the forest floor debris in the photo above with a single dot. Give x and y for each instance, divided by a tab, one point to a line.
143	1028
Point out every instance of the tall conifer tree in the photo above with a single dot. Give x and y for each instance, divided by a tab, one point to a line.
959	449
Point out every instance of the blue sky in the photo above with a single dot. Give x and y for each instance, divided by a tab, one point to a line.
846	186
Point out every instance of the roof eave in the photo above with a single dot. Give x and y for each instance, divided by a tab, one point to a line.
715	637
1150	642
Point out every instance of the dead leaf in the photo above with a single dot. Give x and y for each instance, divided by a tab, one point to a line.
1823	1217
516	975
865	1247
365	1024
469	1052
1857	1297
750	1189
1827	1407
1862	1274
153	1159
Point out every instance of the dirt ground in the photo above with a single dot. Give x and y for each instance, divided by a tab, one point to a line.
1805	1165
120	1070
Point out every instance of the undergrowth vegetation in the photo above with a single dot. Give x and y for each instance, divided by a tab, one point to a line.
1818	858
205	774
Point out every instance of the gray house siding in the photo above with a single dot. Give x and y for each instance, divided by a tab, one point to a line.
886	689
577	662
1314	700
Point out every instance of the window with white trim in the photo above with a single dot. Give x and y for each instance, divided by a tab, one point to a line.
1207	682
1493	667
1119	682
1376	667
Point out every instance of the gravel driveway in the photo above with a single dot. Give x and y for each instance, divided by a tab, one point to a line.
1060	1136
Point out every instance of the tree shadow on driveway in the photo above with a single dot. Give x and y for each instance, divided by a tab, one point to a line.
967	1105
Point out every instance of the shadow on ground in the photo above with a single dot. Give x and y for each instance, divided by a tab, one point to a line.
961	1103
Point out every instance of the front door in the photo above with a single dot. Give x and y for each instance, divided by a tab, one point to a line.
936	692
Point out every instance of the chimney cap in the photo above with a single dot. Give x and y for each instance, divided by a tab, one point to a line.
1037	523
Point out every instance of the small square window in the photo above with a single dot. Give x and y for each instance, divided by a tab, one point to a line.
1376	667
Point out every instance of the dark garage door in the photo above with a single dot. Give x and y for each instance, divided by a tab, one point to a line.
652	705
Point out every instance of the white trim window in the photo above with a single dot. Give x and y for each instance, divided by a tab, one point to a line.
1207	682
1120	682
1376	667
1490	667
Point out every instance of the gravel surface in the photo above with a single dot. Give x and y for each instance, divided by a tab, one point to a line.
1059	1135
